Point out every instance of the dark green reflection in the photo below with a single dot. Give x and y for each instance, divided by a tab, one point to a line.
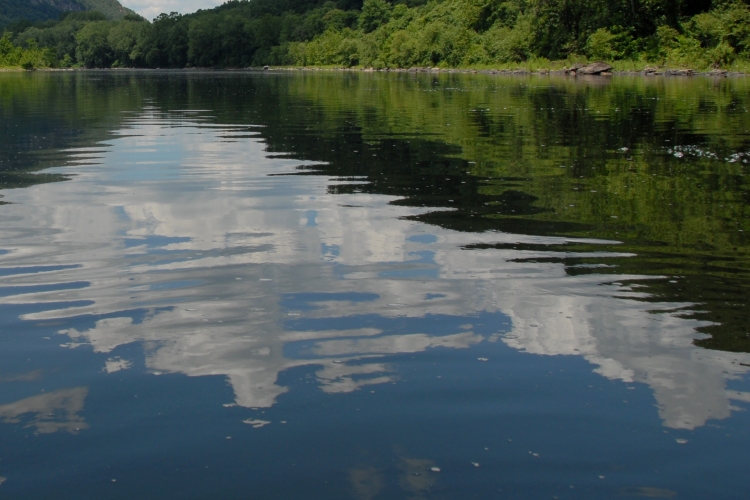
42	113
658	165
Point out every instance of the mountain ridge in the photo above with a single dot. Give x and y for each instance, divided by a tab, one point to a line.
42	10
112	9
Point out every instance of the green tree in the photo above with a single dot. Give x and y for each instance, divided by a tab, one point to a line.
94	50
10	55
127	40
168	42
374	14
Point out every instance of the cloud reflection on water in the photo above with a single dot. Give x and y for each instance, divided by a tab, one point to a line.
194	250
48	413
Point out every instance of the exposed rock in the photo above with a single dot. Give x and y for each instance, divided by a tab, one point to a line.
595	68
573	69
679	72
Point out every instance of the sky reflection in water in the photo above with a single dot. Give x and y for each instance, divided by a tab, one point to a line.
177	249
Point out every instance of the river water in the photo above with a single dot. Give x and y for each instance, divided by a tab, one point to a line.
346	285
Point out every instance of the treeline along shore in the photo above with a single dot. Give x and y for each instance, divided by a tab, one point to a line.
531	35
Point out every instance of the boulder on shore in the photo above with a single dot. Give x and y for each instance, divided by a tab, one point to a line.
595	68
680	72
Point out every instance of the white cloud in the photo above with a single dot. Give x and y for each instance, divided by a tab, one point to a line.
152	8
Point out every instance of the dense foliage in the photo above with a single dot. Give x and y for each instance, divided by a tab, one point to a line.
30	57
405	33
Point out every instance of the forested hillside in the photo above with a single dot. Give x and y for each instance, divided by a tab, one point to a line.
25	12
17	10
404	33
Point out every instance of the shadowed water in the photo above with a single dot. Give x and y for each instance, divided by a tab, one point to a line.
335	285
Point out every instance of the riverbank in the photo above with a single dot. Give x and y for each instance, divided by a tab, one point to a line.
616	69
566	66
647	71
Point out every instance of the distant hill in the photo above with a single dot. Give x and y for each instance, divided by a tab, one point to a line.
41	10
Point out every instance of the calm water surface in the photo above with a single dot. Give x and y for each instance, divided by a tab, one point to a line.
333	285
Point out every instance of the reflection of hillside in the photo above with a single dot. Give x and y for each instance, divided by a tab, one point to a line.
640	162
219	268
44	113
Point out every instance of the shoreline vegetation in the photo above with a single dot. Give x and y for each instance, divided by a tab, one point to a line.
652	37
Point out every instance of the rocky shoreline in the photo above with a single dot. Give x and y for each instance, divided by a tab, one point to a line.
572	71
592	69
